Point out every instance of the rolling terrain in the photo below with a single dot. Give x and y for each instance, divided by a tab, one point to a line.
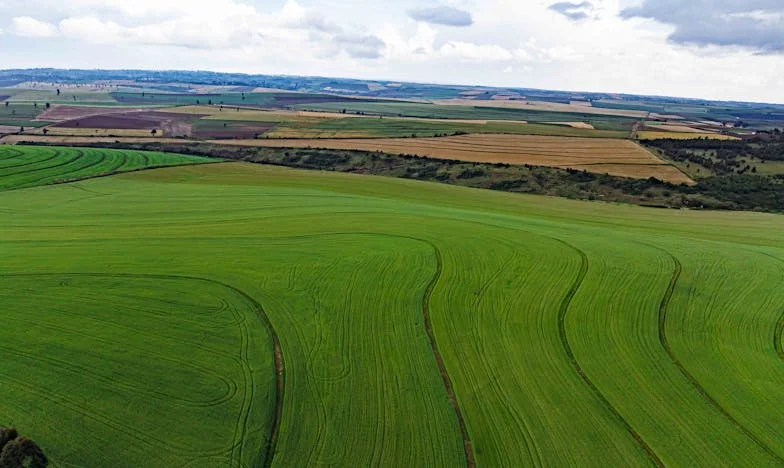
244	315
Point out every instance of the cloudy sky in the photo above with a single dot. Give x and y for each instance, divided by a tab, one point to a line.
717	49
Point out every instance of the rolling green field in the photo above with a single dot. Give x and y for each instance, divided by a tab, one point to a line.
244	315
27	166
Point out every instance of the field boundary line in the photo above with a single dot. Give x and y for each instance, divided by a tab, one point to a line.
271	442
564	309
657	156
467	447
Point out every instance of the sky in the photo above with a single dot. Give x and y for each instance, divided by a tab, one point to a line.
713	49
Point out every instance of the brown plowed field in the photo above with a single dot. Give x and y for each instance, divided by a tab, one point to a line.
616	157
129	120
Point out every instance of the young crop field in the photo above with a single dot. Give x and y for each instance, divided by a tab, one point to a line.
20	115
244	315
616	157
27	166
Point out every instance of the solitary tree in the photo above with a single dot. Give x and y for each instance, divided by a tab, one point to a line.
58	91
48	105
46	130
154	132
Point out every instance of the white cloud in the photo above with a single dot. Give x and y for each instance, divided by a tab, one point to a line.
474	52
26	26
522	43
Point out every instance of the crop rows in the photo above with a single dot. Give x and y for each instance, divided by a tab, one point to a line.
617	157
403	324
26	166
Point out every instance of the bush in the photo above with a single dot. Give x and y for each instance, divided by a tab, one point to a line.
22	452
7	434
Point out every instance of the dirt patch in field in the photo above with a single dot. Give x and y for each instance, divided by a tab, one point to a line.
597	155
169	123
5	129
574	124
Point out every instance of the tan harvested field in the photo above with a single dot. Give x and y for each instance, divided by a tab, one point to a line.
8	129
645	135
663	172
616	157
574	124
542	106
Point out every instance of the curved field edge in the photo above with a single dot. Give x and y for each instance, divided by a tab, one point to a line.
53	165
263	458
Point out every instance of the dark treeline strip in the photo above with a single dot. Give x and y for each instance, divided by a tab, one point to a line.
731	192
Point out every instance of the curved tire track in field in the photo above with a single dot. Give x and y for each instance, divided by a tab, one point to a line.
562	313
271	443
467	448
562	333
663	312
448	386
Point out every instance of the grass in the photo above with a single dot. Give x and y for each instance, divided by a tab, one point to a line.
559	332
20	115
26	166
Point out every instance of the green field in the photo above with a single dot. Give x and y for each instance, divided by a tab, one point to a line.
20	115
432	111
28	166
238	315
396	127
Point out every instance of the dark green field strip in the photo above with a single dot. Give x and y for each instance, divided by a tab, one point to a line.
469	451
28	166
562	313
